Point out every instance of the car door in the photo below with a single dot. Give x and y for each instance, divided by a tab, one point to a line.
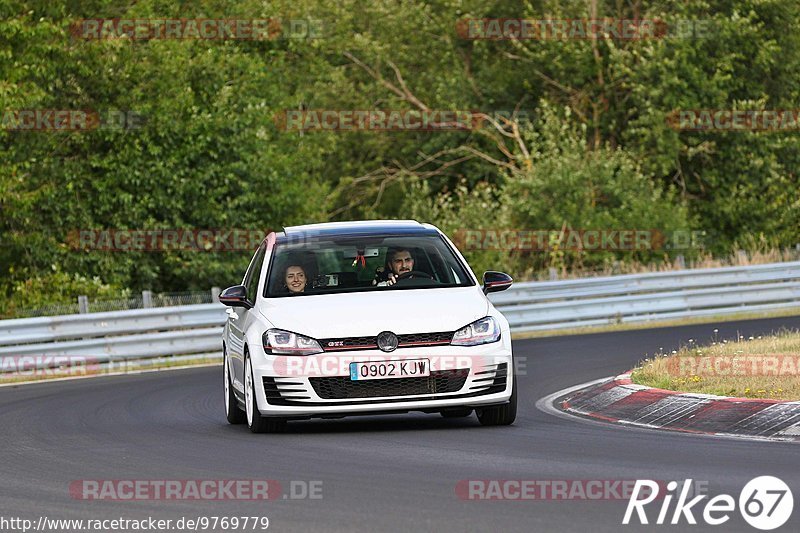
239	317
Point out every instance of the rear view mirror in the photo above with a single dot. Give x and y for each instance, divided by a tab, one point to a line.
366	252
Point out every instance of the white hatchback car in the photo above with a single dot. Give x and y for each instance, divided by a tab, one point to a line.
366	317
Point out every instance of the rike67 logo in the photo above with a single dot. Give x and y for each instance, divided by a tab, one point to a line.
765	503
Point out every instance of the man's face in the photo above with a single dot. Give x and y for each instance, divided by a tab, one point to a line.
401	262
295	279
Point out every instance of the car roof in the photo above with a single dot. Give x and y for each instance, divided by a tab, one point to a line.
356	228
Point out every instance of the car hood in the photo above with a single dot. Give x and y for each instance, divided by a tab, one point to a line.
328	316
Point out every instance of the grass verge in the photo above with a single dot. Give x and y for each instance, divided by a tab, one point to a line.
762	367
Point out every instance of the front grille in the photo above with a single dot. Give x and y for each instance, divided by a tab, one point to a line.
425	339
341	388
371	342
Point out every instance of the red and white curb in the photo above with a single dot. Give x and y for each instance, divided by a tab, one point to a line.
621	401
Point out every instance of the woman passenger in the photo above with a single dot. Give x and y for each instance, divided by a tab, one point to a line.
295	279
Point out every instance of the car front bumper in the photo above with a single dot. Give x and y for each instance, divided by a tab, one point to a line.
320	385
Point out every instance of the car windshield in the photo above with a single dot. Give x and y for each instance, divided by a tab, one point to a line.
354	264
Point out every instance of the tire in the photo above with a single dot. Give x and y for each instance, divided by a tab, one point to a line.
233	412
256	422
501	415
457	413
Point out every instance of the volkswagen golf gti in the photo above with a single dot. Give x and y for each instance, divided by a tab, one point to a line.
371	317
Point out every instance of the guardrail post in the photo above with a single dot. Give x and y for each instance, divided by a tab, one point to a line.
147	299
553	274
681	261
83	304
215	294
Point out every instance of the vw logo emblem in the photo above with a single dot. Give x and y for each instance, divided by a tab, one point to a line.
387	341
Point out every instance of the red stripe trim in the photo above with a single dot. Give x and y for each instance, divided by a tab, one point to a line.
423	343
344	348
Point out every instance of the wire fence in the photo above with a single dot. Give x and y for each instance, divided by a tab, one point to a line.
170	299
147	299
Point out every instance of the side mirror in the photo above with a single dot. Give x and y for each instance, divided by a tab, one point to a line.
235	296
496	281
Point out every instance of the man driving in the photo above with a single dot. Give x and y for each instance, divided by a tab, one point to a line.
398	261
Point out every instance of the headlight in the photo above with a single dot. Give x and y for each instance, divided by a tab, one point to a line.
481	331
280	342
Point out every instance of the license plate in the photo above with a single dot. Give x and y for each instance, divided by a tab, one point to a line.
413	368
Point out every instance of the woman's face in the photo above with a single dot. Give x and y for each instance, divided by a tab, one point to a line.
295	279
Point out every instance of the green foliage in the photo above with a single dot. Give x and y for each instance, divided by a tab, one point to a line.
57	287
598	152
567	187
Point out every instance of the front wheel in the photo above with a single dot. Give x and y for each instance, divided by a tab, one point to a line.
501	415
233	412
256	422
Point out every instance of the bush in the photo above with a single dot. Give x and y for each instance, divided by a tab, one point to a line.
56	288
567	187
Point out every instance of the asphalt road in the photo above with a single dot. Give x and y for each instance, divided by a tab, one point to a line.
378	473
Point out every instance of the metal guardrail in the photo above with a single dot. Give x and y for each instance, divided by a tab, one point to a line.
51	329
529	306
533	306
